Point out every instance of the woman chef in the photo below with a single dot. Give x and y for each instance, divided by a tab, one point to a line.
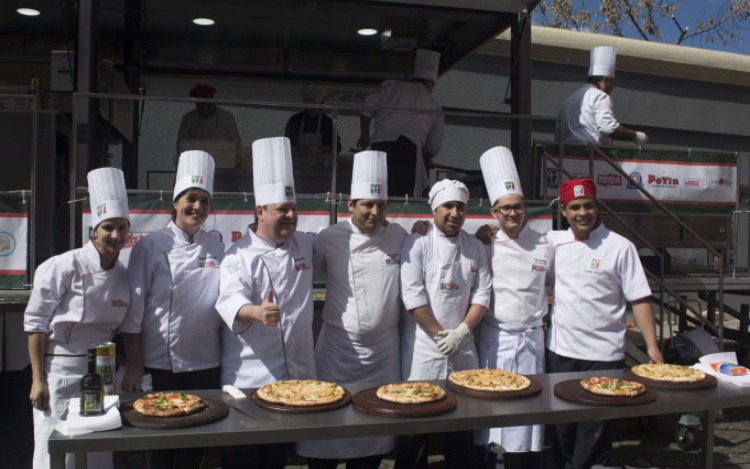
172	329
79	298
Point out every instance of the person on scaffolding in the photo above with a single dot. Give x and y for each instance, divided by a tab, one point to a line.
587	116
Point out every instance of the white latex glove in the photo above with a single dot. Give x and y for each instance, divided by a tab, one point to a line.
640	139
449	340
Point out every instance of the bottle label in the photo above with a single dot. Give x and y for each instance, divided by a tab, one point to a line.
91	401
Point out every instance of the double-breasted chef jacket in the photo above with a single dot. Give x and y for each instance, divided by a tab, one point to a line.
588	117
254	354
175	283
511	336
76	303
359	340
594	280
449	274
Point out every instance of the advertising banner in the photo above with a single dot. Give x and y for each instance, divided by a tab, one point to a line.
14	245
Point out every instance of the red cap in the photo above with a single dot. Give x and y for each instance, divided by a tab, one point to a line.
202	91
576	189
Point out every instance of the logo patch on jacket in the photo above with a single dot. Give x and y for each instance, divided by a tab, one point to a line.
540	265
119	304
208	262
445	286
595	263
300	264
392	259
473	268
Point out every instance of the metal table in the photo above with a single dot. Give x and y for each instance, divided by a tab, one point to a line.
472	413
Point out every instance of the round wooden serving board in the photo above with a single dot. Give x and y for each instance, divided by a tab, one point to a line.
709	382
534	389
216	409
571	390
293	409
367	401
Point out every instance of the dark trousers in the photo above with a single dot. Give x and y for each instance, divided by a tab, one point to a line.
402	165
411	452
166	380
269	456
368	462
581	445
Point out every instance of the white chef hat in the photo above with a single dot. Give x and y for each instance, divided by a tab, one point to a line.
273	176
602	62
500	173
107	195
427	64
448	190
195	170
313	93
370	176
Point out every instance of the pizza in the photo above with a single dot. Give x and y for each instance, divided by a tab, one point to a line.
612	386
490	379
411	392
301	392
669	373
169	404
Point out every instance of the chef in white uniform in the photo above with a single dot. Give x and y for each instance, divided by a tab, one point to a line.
511	335
588	114
208	121
445	285
597	272
172	329
79	298
408	139
265	296
359	340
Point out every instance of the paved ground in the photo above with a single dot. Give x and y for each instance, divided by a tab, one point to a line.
635	447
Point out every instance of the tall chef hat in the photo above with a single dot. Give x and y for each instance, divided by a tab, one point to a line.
426	64
370	176
107	195
273	178
576	189
448	190
500	174
195	170
602	62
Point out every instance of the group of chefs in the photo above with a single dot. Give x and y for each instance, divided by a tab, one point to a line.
398	306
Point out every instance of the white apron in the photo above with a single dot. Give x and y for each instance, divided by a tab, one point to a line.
102	312
449	278
518	348
309	139
359	340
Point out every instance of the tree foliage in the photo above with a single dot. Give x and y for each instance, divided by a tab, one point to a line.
724	21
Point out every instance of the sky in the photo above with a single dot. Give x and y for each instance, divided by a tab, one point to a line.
687	13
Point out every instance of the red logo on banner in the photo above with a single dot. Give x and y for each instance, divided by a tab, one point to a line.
236	235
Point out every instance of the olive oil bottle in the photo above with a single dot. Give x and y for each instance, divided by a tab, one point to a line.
92	390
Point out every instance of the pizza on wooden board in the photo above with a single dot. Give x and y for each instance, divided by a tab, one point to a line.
490	379
669	373
612	386
301	392
169	404
411	392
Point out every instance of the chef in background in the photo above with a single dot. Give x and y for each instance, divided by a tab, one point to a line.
359	340
511	336
265	297
588	114
172	331
310	132
79	298
409	140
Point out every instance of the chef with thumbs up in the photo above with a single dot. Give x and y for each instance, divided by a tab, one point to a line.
265	296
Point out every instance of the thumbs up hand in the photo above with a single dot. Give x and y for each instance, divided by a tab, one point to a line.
268	312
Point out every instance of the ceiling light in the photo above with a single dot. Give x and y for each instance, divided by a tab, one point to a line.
367	32
28	12
204	21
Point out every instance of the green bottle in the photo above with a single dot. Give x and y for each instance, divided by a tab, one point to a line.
92	390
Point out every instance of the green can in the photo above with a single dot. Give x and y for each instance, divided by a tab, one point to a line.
105	365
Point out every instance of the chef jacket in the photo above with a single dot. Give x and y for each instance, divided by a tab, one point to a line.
449	274
220	126
510	335
588	117
594	280
76	302
359	340
254	354
175	283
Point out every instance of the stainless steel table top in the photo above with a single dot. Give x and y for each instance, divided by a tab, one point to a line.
472	413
